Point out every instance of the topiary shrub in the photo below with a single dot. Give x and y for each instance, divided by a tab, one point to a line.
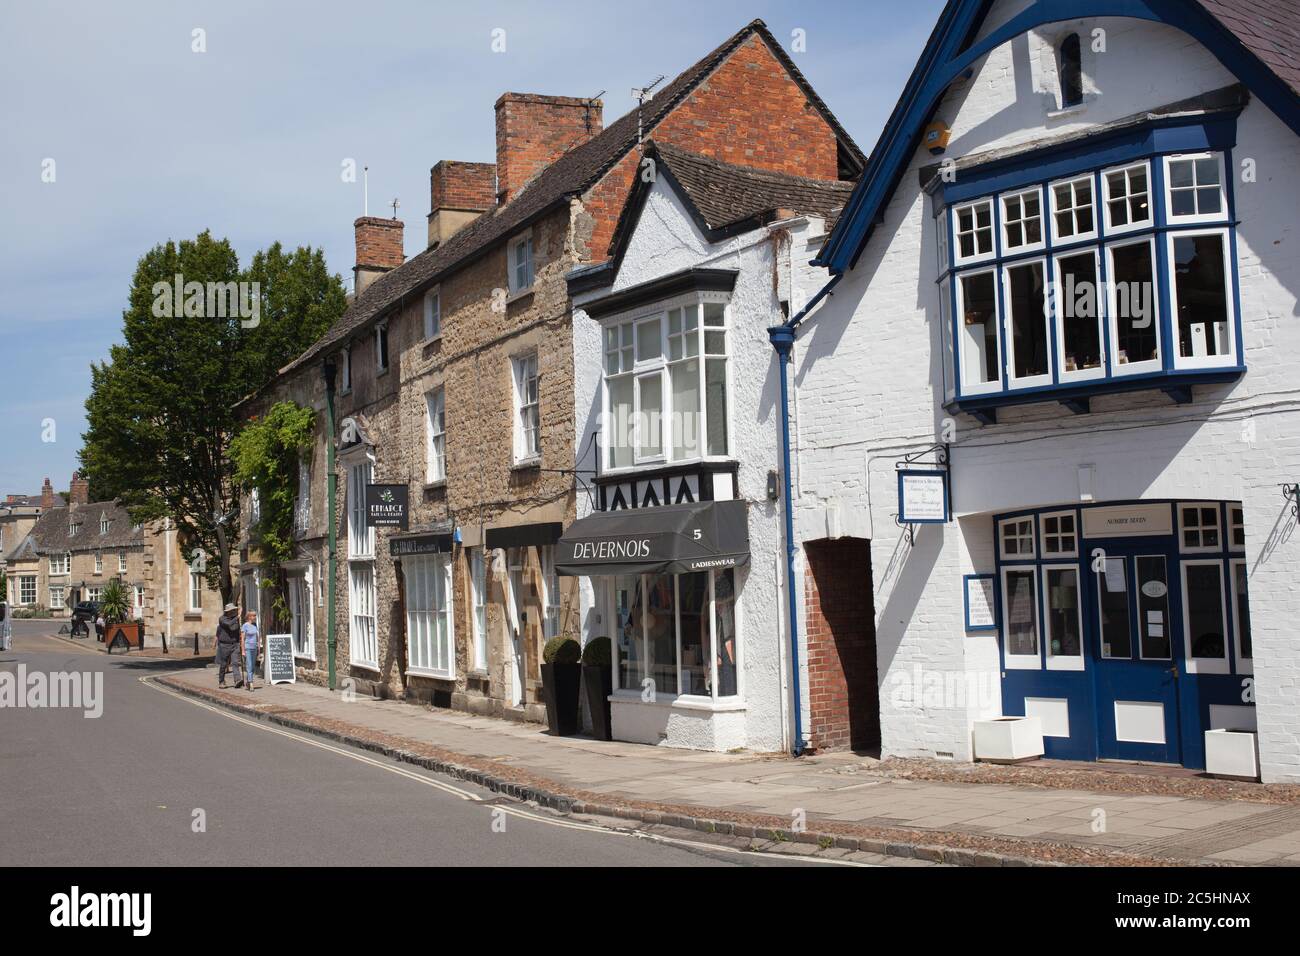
597	653
561	650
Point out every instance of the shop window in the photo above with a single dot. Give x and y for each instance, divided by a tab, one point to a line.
1194	186
1205	620
974	230
1135	328
1241	616
1063	618
1078	310
1020	612
1025	292
1153	607
1236	528
550	592
1199	527
1059	535
981	353
1022	221
1113	601
1074	216
1018	538
430	646
1201	299
1127	197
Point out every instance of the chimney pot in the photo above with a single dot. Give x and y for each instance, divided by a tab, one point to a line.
458	194
47	495
379	249
78	490
534	131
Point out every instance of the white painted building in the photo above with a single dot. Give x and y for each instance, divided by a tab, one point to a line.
1116	473
678	543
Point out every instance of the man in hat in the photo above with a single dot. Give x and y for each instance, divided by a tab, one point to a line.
228	645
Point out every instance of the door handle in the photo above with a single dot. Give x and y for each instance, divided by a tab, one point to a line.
1174	670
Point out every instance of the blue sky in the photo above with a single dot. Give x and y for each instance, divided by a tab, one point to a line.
152	141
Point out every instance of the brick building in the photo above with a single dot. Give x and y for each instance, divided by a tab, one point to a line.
452	374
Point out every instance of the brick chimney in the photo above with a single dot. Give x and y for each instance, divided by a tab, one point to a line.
458	194
379	249
47	495
78	490
534	131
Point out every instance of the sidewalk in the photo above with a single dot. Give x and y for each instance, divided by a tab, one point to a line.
847	800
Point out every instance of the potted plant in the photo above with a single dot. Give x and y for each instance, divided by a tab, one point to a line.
561	676
598	680
115	606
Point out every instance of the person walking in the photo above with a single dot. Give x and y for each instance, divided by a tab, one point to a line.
250	635
227	643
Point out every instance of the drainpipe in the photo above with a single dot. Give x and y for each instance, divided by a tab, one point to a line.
331	492
782	339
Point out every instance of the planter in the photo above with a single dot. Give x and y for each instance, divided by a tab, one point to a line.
1008	739
560	685
598	681
115	634
1232	753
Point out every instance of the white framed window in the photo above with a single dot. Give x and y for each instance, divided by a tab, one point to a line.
61	563
99	562
1017	536
1080	352
1059	534
677	631
254	505
1241	616
949	354
27	589
361	539
433	313
973	231
1205	617
478	606
56	597
1074	212
300	617
979	345
73	528
302	504
1022	221
1029	342
1198	528
431	645
345	366
1236	528
519	255
1127	197
95	594
363	643
1201	297
1194	188
1062	617
527	409
121	562
196	591
1020	618
1133	301
435	425
941	239
550	592
137	600
104	523
381	347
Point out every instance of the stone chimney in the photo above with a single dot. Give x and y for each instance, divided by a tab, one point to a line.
534	131
379	249
458	194
78	490
47	495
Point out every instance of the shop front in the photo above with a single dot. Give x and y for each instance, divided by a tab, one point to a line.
1125	627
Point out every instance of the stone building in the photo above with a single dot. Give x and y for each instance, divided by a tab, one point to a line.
452	376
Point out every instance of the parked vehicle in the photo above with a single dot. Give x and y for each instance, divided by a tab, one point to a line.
83	617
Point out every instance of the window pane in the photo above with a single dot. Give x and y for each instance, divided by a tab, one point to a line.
693	596
628	605
980	329
1022	617
650	415
715	386
1133	279
686	408
1243	611
1153	607
1080	312
1205	610
724	630
1116	625
1202	294
661	634
1063	612
619	429
648	344
1028	320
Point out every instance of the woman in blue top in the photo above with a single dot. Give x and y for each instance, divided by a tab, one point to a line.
249	634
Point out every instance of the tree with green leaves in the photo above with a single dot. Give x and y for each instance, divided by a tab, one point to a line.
160	416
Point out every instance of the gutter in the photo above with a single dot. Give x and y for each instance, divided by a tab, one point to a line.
782	339
332	486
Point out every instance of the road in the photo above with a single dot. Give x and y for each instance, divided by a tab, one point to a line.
131	788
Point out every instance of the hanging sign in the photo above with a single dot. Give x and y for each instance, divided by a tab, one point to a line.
922	496
981	611
387	506
278	665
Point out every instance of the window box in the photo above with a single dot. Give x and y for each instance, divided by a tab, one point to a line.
1008	739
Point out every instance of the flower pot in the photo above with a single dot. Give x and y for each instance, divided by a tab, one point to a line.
122	635
560	685
598	681
1008	739
1232	753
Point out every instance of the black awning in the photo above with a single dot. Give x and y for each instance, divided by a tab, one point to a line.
672	539
524	535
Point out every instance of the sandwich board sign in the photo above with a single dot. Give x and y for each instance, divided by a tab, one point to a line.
279	660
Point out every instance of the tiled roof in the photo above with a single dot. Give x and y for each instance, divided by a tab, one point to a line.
570	175
50	533
1270	29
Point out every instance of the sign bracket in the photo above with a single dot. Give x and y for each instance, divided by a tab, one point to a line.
923	466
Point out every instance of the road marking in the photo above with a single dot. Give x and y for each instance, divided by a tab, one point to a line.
473	797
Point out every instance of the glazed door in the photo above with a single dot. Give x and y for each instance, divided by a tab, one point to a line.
1135	620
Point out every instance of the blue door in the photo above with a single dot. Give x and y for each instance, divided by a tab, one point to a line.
1135	623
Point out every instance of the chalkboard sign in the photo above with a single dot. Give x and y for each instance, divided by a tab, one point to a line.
279	659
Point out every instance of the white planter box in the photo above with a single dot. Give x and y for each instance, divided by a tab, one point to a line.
1232	753
1008	739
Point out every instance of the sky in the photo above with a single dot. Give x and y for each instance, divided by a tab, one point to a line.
151	139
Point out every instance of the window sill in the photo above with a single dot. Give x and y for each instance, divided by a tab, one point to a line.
681	702
431	341
363	666
430	674
304	657
438	485
1064	111
526	464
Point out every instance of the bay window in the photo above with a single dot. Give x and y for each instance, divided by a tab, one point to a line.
1201	299
1022	221
1025	291
666	386
981	352
1078	324
1073	215
974	231
1128	197
1134	331
676	634
1195	187
431	645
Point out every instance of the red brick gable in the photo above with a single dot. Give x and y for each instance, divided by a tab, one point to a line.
750	112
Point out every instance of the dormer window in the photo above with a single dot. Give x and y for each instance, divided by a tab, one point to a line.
73	528
1069	67
104	524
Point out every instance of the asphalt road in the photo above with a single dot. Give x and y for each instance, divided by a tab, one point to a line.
130	787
